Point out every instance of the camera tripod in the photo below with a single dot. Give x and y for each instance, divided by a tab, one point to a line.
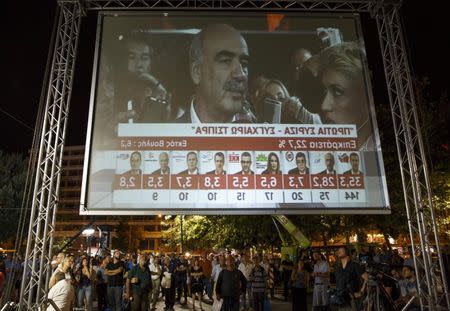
377	299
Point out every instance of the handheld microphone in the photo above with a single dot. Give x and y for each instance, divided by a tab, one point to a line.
271	112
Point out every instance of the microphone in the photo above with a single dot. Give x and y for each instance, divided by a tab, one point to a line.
271	111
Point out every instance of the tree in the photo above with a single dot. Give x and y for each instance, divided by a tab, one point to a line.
13	173
128	237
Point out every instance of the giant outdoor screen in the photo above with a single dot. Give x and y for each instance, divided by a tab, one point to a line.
231	113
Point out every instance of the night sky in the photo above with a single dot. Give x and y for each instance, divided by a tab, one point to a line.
26	39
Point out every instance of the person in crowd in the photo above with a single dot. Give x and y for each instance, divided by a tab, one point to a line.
168	283
321	275
246	267
258	280
139	285
65	267
273	164
101	286
2	276
85	276
408	289
217	268
218	60
348	281
286	266
345	101
396	274
271	277
58	260
230	285
206	264
197	284
62	294
299	278
181	279
114	271
155	271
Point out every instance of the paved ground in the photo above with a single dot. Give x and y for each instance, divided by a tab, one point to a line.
278	304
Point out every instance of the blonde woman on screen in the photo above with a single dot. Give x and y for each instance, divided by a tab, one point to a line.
345	99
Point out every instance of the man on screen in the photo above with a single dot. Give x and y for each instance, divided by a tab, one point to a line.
219	161
191	160
246	164
300	160
354	162
163	164
140	95
218	60
135	163
329	163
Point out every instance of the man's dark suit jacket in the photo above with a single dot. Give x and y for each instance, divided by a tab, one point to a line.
296	171
325	172
186	172
158	172
349	172
213	172
241	173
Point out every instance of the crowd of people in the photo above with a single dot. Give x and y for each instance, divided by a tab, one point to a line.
228	281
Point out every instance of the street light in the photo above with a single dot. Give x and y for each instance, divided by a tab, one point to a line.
88	233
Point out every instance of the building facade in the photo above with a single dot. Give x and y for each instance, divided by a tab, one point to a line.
69	222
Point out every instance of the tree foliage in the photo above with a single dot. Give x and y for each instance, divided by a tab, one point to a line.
13	172
127	237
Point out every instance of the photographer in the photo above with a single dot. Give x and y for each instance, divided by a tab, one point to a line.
348	282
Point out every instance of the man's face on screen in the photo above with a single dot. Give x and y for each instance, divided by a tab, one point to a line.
164	161
219	161
246	163
354	162
329	161
192	161
135	161
223	74
301	163
138	58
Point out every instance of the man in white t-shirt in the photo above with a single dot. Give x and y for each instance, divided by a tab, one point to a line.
321	275
246	268
155	271
62	293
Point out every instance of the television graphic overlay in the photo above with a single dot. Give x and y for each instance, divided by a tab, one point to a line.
231	114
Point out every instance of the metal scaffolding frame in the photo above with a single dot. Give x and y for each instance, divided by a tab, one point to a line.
434	294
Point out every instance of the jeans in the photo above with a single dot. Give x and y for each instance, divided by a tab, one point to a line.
182	286
169	294
81	293
140	301
115	294
155	291
258	301
208	287
101	296
230	304
299	302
